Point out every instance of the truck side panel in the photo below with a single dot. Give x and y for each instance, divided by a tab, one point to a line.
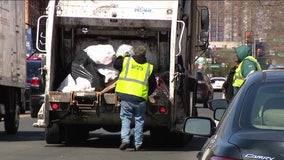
12	63
12	44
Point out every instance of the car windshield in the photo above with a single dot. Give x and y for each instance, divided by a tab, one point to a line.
264	107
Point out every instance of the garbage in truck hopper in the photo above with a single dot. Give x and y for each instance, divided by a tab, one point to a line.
109	72
101	53
125	49
86	68
80	84
161	93
92	70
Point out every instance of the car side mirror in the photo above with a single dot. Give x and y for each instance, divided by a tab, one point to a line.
201	126
204	40
204	18
218	113
218	103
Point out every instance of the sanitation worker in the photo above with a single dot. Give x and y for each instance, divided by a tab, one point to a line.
247	65
135	82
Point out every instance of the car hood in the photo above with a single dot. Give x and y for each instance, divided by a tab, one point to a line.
259	145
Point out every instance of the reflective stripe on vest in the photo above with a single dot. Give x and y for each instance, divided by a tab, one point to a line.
238	76
133	78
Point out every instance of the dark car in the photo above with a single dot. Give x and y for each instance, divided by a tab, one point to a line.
35	85
251	127
205	90
275	66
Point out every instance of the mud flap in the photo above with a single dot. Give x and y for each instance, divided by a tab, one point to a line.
40	118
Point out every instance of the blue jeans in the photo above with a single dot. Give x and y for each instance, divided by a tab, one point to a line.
128	111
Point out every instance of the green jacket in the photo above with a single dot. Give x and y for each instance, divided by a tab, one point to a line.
248	65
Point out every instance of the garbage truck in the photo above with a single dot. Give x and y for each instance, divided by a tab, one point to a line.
80	40
13	63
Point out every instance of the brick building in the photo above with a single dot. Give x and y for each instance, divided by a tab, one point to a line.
34	9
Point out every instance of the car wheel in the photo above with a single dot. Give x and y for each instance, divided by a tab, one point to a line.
205	104
22	109
34	112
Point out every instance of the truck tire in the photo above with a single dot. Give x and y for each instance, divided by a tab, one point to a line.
162	136
12	117
159	135
179	139
75	134
12	120
53	134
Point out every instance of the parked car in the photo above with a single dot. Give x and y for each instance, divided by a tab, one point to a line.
204	89
217	83
35	86
251	126
275	66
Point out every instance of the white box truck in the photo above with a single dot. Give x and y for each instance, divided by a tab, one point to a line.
12	63
174	33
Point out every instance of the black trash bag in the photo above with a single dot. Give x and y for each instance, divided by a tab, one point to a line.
85	68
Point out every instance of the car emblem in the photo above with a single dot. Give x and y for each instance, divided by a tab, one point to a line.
253	156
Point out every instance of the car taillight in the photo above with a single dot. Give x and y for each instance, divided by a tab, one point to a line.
34	82
222	158
54	106
201	82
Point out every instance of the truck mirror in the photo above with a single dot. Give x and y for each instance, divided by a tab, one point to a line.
40	37
205	19
203	40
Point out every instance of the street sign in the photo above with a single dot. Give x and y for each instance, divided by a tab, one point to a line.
215	66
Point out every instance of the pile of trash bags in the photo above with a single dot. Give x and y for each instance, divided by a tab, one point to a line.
94	69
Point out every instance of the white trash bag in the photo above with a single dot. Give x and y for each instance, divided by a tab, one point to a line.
109	72
122	49
101	53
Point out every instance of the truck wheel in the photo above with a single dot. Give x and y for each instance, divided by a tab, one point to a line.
52	134
179	139
159	135
12	121
75	134
162	136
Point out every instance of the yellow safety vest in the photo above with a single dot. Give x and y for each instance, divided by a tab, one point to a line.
238	76
133	78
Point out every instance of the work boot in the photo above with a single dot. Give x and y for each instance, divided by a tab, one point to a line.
124	145
137	148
